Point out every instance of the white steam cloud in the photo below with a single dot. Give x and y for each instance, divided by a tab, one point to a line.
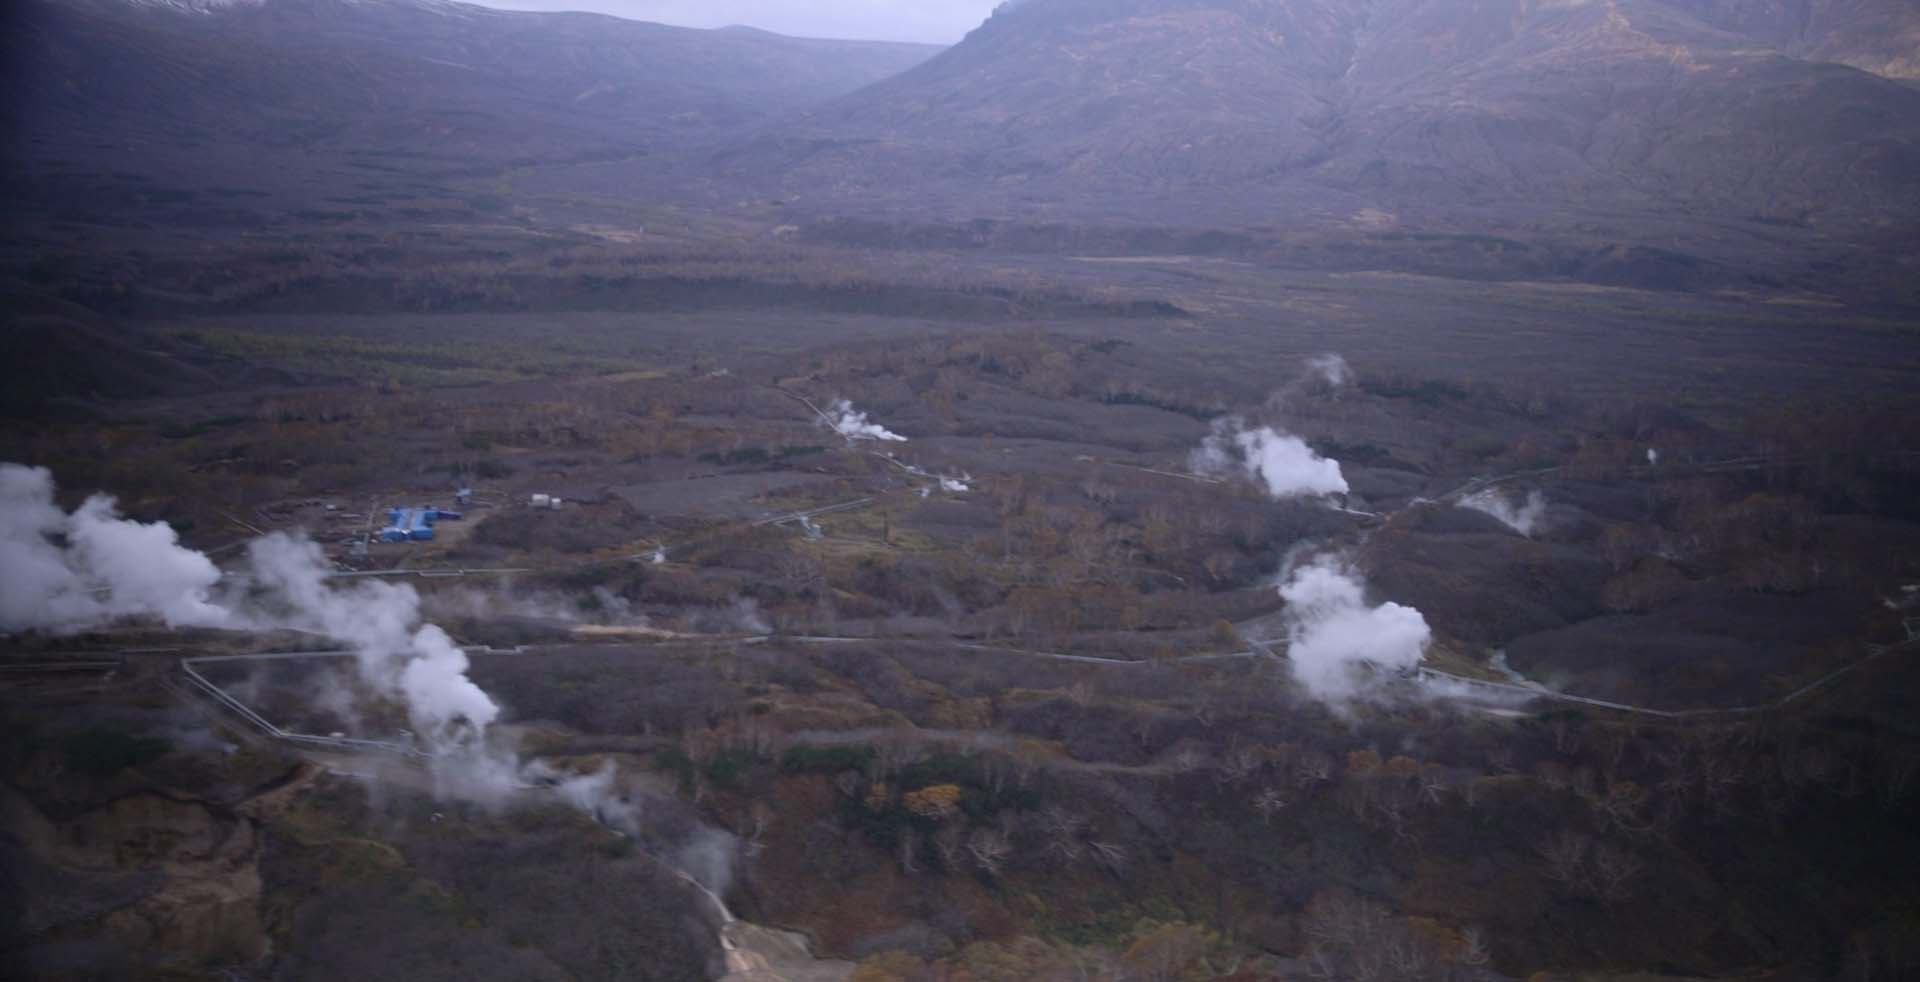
1526	518
1337	641
854	425
1281	462
71	572
1332	368
399	656
66	572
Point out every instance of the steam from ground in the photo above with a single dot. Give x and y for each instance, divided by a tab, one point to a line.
854	425
398	654
68	572
65	572
1336	640
707	857
1525	518
596	794
1281	462
1331	368
742	616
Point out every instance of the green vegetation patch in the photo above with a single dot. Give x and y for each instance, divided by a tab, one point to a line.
825	760
186	431
758	455
424	362
100	752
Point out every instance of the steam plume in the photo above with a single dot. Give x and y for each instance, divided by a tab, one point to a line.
70	572
1526	518
1332	368
854	425
1281	462
65	572
398	655
1335	637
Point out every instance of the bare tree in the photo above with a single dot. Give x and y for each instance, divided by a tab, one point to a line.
1349	937
1310	768
990	849
1109	856
896	751
1029	759
1501	757
910	852
753	841
950	843
848	783
798	573
1566	739
1565	854
1615	871
1469	787
1269	803
1235	766
1624	805
1553	775
1186	760
1062	829
1897	772
1473	947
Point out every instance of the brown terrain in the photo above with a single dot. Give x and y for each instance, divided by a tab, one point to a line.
279	266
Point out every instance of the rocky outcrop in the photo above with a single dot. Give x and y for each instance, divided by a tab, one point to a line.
145	879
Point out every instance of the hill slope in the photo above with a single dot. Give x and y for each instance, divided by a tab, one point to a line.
190	94
1268	110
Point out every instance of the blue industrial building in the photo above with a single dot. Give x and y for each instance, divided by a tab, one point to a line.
414	524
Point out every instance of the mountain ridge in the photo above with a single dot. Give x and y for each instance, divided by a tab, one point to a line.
165	89
1618	120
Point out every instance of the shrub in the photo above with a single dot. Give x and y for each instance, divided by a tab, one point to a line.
675	761
827	760
101	752
728	767
936	802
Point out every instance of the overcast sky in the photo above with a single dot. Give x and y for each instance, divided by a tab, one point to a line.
933	21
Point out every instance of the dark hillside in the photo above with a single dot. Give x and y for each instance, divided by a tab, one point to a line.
230	101
1637	123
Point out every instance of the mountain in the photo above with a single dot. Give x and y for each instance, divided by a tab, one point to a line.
1663	142
1472	112
199	93
1879	36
